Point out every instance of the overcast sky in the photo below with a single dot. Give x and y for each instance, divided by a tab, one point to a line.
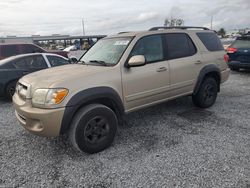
45	17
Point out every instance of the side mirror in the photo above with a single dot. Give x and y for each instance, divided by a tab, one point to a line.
73	59
137	60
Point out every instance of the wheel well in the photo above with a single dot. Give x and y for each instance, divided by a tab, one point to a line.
104	101
214	75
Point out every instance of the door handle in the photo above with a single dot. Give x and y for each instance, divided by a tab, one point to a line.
198	62
161	69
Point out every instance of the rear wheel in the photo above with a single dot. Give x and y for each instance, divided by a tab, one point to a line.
10	90
207	94
93	128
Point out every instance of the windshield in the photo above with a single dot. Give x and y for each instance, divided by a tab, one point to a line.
108	51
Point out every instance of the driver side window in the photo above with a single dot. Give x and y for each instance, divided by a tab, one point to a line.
151	47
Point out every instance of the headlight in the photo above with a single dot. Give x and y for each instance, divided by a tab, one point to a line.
48	97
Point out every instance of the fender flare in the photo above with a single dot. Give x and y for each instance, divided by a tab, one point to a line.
85	97
208	69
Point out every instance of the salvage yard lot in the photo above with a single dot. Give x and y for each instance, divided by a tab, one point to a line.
172	145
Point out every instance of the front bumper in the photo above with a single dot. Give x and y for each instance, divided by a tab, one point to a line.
238	64
225	75
42	122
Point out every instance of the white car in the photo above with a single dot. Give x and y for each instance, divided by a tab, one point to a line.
70	48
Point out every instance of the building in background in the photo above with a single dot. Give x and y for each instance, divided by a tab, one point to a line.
55	41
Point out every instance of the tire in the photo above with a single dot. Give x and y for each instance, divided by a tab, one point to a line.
93	128
10	90
207	93
234	69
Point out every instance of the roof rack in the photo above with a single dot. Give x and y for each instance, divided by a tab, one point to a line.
123	32
177	27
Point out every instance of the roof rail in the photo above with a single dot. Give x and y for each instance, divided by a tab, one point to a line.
178	27
123	32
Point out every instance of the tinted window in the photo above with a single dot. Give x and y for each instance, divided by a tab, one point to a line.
57	61
28	48
32	62
241	43
211	41
150	47
6	65
179	45
9	50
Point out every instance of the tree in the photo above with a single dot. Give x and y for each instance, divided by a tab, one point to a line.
173	22
222	32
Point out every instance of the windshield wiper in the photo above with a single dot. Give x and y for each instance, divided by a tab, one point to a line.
99	62
82	62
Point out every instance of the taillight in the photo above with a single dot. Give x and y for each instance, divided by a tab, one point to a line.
231	50
226	58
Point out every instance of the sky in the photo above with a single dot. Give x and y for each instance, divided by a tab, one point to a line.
46	17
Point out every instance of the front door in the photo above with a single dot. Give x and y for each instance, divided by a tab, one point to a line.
147	84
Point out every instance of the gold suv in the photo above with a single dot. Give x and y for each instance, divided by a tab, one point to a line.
118	75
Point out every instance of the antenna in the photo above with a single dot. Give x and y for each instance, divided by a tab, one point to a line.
211	22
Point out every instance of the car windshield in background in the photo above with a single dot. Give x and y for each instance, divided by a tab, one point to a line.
241	43
106	51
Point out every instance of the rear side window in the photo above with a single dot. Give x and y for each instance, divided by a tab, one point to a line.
30	62
9	50
150	47
211	41
179	45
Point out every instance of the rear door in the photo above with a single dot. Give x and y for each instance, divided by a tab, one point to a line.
184	61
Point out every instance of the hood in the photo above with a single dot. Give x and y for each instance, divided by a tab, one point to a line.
45	78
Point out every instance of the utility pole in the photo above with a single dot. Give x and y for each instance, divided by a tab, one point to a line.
83	29
212	22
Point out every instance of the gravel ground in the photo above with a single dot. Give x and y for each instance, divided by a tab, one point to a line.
170	145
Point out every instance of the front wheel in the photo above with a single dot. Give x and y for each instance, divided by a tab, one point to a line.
93	128
10	90
207	94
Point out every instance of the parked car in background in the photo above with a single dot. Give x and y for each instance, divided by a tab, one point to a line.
227	42
70	48
239	53
8	50
13	68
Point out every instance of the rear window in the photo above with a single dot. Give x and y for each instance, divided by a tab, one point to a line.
28	48
9	50
241	43
211	41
